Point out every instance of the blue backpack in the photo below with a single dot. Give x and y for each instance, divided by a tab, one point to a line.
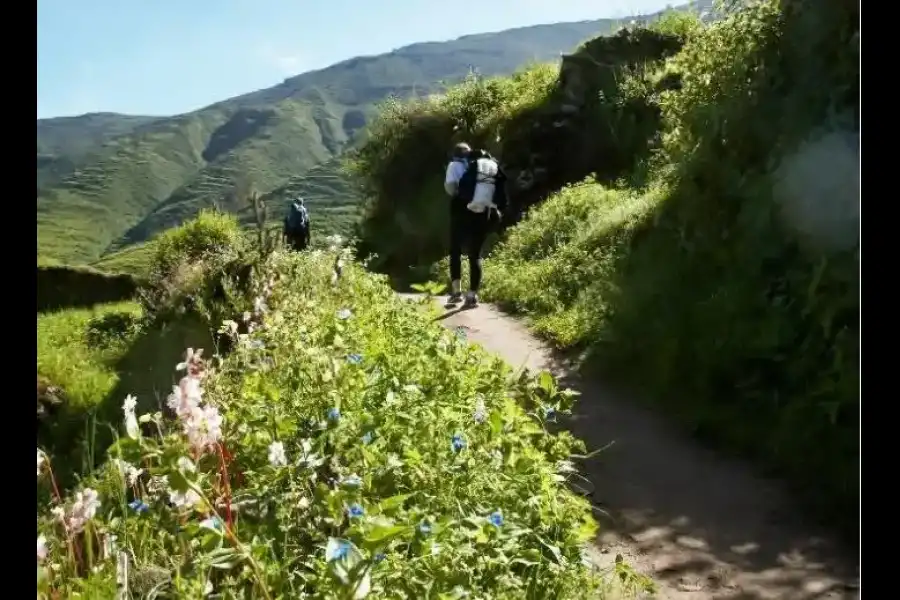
298	217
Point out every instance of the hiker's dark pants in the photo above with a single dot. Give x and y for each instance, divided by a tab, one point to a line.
298	242
469	230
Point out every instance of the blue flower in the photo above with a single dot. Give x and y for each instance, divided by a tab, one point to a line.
138	505
337	550
496	518
379	557
214	523
461	333
334	414
344	314
354	359
368	437
355	511
549	412
425	527
457	443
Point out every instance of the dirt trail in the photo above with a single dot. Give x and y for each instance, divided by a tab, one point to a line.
702	526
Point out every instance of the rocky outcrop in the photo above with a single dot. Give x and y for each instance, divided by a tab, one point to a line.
587	125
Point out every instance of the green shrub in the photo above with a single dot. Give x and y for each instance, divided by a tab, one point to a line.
362	447
211	233
707	292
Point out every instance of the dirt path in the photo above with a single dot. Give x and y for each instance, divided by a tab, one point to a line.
702	526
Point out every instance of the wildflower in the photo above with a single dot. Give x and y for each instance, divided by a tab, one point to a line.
129	404
425	528
186	465
480	413
82	510
41	459
355	511
229	327
368	437
213	523
203	427
138	505
277	457
334	414
351	481
185	397
190	357
187	499
41	548
128	471
344	314
354	359
157	485
259	305
496	518
336	549
549	412
131	422
457	443
379	557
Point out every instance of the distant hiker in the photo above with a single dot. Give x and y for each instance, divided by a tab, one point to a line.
477	186
296	226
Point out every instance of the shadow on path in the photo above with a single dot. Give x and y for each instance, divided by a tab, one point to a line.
703	526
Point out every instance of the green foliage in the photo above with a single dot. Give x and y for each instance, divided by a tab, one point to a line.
701	290
346	466
534	121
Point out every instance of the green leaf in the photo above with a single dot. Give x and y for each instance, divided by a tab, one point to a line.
224	558
383	530
393	502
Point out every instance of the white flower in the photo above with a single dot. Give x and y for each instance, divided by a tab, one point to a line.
277	457
259	305
229	327
480	411
185	464
186	499
41	548
83	510
128	471
41	459
185	397
203	427
129	405
132	427
189	357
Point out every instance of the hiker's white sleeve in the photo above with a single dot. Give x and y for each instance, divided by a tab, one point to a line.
455	171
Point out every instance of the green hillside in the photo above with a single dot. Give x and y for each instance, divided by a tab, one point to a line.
152	175
65	142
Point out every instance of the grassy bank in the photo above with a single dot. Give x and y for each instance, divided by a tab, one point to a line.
344	445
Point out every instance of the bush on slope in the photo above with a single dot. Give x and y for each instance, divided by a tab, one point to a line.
362	447
732	294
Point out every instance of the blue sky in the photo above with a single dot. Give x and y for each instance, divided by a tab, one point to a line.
162	57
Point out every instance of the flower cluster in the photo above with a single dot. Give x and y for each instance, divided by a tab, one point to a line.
82	510
202	424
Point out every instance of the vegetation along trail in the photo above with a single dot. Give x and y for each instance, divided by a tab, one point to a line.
703	527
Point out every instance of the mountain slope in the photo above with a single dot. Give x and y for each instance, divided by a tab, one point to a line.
65	142
165	170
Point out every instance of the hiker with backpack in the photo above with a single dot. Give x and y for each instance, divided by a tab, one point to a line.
476	185
296	226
